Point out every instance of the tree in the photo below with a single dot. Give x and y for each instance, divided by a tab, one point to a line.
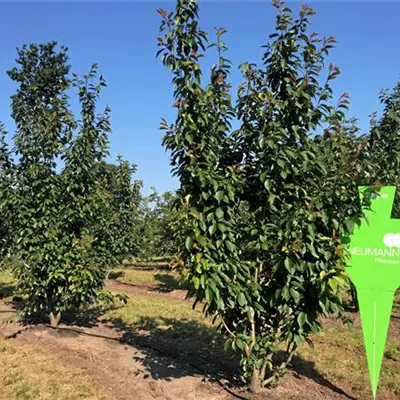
265	215
382	147
122	211
158	226
63	264
7	227
43	124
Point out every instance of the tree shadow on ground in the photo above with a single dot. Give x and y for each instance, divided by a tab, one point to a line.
115	274
307	369
78	318
6	291
166	343
166	283
82	318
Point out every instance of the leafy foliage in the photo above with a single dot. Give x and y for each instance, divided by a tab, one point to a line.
158	227
7	229
267	205
44	124
63	240
382	145
122	211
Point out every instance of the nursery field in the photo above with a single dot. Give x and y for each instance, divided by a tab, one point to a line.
157	347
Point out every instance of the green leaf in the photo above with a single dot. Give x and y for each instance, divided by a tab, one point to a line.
227	344
301	319
189	243
239	343
212	229
241	299
219	213
219	195
350	225
230	245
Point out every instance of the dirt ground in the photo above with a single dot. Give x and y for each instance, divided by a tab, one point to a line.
130	365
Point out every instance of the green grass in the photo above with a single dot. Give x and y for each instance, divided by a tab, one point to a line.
7	283
162	278
174	328
152	263
147	260
173	317
339	357
6	277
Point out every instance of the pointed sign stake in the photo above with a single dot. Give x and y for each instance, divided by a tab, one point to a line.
375	271
375	309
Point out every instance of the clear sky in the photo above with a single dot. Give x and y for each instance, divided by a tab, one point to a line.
121	38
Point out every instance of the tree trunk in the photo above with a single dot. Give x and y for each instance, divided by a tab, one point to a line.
255	385
55	319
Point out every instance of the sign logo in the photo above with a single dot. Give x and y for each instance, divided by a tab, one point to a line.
392	240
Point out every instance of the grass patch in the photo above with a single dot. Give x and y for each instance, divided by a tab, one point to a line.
339	357
173	317
152	263
7	283
162	278
6	277
28	372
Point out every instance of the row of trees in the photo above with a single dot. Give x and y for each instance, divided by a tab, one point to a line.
262	211
267	206
66	214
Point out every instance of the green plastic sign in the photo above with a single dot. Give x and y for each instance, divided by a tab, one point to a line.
374	270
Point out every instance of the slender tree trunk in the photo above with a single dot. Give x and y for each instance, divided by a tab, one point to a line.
255	384
54	319
257	376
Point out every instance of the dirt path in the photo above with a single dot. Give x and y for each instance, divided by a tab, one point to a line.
118	370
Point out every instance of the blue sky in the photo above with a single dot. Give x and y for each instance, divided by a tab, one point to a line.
121	38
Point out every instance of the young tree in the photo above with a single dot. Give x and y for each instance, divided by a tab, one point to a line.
264	214
123	198
383	144
63	264
44	125
7	223
158	226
